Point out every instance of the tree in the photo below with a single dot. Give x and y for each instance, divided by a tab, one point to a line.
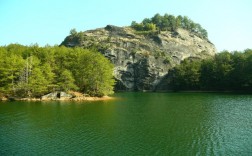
66	81
73	32
37	83
165	23
50	76
185	23
150	27
157	20
179	21
172	22
10	69
204	33
133	23
34	71
169	23
208	79
247	85
192	26
94	74
223	70
137	26
239	74
186	76
146	21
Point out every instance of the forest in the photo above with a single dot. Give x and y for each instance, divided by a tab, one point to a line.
169	23
226	71
32	71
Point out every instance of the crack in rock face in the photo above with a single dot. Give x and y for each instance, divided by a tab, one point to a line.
142	61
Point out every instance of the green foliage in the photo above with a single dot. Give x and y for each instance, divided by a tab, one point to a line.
37	84
100	83
73	32
186	75
226	71
66	81
34	71
143	26
158	54
167	60
157	19
169	23
10	69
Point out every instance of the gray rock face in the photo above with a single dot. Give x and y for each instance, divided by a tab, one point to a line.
142	61
56	96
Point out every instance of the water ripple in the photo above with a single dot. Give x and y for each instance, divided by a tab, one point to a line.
147	124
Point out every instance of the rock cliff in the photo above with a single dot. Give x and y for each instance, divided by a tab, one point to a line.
142	59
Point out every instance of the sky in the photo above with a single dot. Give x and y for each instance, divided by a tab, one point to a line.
27	22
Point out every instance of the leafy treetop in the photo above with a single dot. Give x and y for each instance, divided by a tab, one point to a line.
169	23
225	71
32	71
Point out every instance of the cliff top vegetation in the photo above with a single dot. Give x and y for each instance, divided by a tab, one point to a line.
169	22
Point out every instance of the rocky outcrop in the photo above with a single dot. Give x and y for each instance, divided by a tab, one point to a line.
57	96
3	98
142	59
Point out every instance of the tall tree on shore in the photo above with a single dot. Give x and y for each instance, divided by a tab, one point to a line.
94	76
34	71
66	81
37	83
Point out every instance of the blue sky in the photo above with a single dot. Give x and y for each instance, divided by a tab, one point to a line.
228	22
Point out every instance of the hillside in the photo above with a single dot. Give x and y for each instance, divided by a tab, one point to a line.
142	59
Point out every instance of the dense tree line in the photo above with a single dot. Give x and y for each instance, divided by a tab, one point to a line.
32	71
169	23
225	71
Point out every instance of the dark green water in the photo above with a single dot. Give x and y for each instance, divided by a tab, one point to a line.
135	124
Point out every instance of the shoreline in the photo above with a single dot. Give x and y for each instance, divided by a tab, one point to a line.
209	91
58	96
185	91
104	98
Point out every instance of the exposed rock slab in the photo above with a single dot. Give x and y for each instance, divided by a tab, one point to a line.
142	61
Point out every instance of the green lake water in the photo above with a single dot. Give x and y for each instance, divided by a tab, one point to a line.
134	124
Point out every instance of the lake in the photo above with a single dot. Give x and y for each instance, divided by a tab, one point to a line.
133	124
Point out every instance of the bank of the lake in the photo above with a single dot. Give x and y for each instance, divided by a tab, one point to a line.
135	124
59	96
89	98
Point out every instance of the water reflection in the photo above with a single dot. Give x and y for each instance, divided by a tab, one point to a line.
137	124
